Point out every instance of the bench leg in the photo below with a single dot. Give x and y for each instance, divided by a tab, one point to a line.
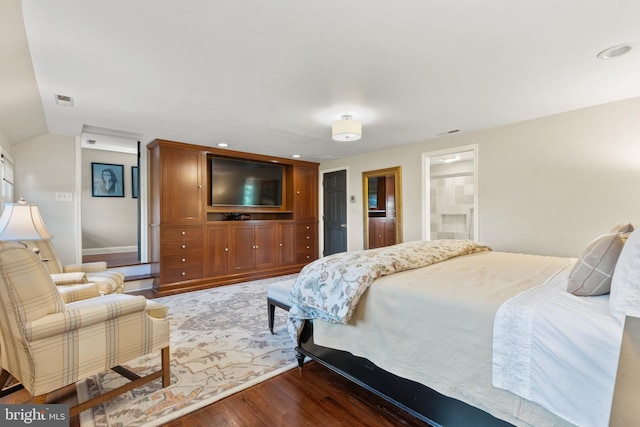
271	313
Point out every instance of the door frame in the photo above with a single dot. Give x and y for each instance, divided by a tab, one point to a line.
396	171
426	186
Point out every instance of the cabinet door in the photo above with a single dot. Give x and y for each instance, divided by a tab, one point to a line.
305	185
286	244
265	251
182	194
376	233
216	260
241	248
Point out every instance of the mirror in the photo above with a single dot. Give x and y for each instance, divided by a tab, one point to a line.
382	207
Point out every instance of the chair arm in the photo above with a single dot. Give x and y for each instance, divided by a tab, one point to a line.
82	314
75	278
87	267
73	293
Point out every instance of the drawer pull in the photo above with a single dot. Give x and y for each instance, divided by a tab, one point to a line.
183	246
183	273
183	260
281	245
184	233
226	249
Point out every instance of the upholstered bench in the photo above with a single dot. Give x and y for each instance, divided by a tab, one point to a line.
278	296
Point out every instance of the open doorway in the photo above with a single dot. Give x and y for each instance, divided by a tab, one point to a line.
382	198
110	225
450	195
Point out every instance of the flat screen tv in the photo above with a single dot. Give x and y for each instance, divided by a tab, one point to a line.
236	182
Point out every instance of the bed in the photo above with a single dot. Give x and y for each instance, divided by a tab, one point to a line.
479	338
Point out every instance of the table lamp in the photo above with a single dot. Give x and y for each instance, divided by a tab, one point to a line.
22	221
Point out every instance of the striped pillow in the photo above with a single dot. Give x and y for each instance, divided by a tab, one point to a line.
592	272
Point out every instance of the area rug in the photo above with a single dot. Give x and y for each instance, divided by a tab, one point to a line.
220	344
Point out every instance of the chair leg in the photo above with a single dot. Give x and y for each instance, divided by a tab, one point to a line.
166	368
39	399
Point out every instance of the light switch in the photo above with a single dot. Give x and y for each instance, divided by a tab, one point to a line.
63	197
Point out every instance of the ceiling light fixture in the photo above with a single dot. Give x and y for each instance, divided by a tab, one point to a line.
222	144
346	129
614	51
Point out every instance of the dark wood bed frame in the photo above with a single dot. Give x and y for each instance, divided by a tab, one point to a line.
417	399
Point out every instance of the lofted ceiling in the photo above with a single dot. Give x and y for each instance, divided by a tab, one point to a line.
271	76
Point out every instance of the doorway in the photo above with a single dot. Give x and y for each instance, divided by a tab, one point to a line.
451	194
334	216
382	207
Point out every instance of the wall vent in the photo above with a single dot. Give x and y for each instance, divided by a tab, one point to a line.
64	100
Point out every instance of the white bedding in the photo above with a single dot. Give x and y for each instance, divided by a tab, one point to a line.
434	325
558	350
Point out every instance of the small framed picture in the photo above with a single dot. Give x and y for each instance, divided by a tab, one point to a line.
134	182
107	179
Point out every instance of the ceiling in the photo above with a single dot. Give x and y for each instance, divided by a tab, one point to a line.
271	76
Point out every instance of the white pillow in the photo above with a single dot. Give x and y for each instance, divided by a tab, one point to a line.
625	284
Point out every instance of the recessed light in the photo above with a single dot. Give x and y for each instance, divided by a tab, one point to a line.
222	144
614	51
296	156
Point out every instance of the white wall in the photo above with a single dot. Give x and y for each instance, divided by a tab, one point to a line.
545	186
43	166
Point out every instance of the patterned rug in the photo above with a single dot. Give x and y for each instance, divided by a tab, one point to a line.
220	344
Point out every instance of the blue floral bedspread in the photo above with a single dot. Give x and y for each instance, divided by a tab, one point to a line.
330	287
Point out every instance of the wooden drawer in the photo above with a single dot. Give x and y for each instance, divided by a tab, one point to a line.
181	233
181	274
305	257
191	259
171	247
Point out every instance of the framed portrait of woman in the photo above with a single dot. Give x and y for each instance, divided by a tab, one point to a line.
107	179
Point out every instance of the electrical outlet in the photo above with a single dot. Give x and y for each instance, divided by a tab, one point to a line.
63	197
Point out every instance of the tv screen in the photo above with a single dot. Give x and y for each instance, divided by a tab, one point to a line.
245	183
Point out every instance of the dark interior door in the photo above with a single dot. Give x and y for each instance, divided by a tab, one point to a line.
335	212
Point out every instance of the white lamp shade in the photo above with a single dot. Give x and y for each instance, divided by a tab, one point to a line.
22	222
346	129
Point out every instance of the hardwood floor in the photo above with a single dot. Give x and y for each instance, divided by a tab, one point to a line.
313	396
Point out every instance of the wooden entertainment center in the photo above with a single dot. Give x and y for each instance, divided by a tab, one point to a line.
196	245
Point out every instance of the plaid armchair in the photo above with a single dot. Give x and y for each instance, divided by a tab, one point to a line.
109	282
47	343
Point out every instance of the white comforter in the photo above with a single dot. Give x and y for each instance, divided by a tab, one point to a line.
558	350
434	325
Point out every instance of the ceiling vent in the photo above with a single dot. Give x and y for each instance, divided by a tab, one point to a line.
64	100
